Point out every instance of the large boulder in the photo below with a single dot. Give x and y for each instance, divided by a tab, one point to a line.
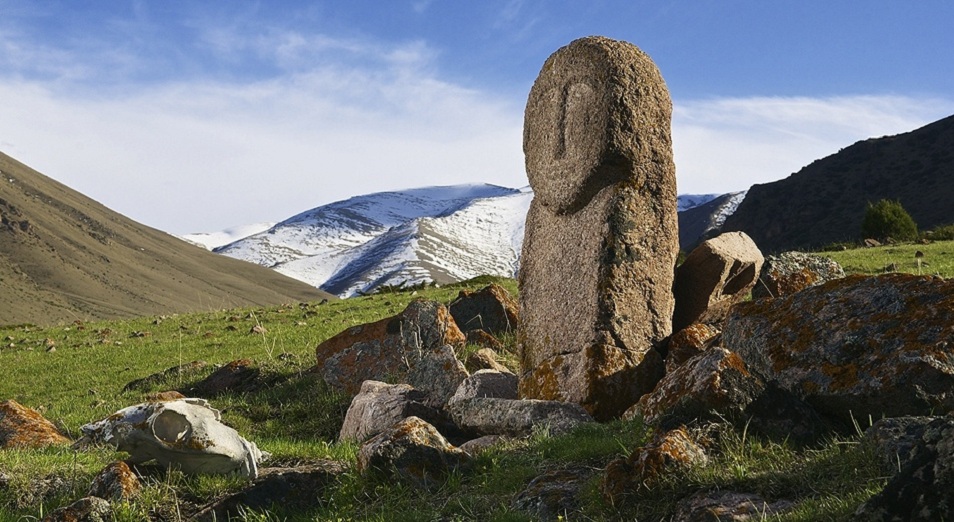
601	241
857	346
22	427
491	309
923	489
493	416
415	347
715	275
413	450
713	385
790	272
378	406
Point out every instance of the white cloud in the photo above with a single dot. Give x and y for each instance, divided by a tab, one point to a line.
730	144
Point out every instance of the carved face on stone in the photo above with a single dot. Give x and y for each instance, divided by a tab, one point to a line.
187	434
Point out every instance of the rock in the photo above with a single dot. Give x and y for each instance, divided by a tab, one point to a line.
115	482
298	488
517	418
791	272
666	451
415	451
924	487
857	346
689	342
479	445
88	509
712	385
378	406
163	396
487	383
22	427
728	506
872	243
175	375
779	415
715	275
482	338
240	376
186	434
491	309
554	495
601	241
484	359
893	439
392	348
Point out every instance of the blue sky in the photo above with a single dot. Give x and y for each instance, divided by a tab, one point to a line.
196	116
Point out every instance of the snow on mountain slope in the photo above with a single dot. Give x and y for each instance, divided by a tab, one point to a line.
213	240
440	234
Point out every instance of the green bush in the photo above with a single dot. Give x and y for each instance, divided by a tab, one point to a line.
942	233
886	219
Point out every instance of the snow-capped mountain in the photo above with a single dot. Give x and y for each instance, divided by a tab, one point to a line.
440	234
213	240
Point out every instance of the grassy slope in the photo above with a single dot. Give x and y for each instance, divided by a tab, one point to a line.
82	380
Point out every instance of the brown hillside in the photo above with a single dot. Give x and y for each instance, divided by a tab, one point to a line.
825	202
64	257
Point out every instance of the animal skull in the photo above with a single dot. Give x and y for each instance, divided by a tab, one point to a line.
186	433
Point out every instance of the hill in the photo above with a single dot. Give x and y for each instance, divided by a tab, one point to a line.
825	202
65	257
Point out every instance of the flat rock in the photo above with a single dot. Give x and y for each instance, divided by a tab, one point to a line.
728	506
22	427
857	346
516	418
487	383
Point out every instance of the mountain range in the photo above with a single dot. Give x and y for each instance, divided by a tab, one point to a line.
65	257
432	234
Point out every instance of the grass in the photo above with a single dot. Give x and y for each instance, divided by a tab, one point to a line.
297	420
938	259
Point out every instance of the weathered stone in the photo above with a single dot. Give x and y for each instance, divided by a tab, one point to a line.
482	338
857	346
924	487
791	272
115	482
689	342
439	374
487	383
666	451
728	506
391	349
484	359
163	396
780	415
554	495
491	309
239	376
712	385
88	509
22	427
479	445
172	375
414	450
298	488
893	439
491	416
378	406
715	275
600	244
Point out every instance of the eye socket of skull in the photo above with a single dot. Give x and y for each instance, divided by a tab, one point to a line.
171	427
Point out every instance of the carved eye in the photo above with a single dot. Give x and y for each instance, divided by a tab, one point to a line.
171	427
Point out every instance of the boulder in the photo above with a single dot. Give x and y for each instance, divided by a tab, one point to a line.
298	488
484	359
894	438
791	272
378	406
482	338
601	241
667	450
22	427
713	385
689	342
487	383
923	489
728	506
479	445
553	495
413	450
715	275
517	418
491	309
855	347
391	349
115	482
88	509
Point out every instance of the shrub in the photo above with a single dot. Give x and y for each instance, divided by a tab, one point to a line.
942	233
886	219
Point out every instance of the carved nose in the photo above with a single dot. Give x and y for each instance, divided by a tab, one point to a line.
171	427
